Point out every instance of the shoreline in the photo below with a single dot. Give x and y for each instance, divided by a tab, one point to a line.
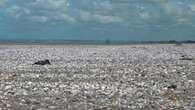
98	44
90	42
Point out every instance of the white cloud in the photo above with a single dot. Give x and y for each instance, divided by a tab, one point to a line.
107	19
192	7
178	11
105	5
55	10
64	17
145	15
173	9
16	11
157	1
102	11
42	11
51	4
40	19
87	16
3	2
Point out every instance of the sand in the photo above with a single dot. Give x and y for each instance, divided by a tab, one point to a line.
97	77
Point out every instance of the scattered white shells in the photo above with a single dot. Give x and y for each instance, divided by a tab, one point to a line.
90	77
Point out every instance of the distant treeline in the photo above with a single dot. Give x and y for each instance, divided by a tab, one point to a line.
106	41
169	42
149	42
176	42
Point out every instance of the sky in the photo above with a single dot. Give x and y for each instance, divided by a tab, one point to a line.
124	20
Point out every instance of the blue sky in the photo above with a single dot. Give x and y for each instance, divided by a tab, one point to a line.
127	20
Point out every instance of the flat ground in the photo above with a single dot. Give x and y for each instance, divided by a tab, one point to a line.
97	77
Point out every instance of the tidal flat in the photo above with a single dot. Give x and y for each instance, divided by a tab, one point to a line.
97	77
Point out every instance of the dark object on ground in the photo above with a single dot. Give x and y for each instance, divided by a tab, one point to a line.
42	62
172	87
183	57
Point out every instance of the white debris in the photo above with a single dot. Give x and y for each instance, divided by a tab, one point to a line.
88	77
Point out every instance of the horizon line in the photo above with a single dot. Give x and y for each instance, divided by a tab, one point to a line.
106	41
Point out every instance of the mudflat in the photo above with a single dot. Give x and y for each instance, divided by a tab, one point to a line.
97	77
